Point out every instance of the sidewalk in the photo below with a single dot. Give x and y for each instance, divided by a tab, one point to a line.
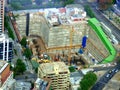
111	21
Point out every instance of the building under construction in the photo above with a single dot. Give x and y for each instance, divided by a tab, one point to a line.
62	31
58	72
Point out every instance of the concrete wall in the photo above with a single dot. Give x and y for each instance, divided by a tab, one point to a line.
21	23
95	46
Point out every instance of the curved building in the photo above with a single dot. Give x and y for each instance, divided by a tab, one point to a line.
112	52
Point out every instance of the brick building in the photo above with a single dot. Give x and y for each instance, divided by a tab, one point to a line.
6	76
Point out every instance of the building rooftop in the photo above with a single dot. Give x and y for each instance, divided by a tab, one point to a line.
22	85
4	37
54	67
55	16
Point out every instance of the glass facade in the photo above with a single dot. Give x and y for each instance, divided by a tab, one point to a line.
6	51
1	51
1	16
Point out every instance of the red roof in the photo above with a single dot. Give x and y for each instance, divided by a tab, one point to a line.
4	79
62	10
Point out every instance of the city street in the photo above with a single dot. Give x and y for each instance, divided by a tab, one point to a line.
105	78
99	15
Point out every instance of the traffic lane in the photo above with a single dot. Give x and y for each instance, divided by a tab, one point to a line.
102	68
103	19
98	86
105	79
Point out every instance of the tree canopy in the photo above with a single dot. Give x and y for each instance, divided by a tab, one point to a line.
89	11
23	42
88	80
68	2
28	53
71	69
20	67
7	26
16	5
19	4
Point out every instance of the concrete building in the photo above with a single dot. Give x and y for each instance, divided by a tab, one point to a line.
67	25
6	48
6	76
2	15
58	72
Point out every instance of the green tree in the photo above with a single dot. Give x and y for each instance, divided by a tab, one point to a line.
23	42
114	1
66	2
28	53
36	70
10	33
89	11
7	26
20	67
71	69
16	5
88	81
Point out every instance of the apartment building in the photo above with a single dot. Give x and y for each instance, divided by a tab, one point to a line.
2	15
6	76
58	72
6	48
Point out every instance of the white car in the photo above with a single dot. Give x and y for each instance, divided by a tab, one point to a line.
108	75
116	70
115	41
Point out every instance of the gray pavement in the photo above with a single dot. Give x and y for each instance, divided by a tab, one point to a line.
105	78
27	76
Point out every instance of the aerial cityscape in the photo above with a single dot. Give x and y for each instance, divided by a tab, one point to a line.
59	44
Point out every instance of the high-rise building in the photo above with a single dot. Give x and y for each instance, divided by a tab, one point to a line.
6	76
58	72
2	15
6	48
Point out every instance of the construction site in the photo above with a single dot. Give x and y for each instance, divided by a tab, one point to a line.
58	72
65	34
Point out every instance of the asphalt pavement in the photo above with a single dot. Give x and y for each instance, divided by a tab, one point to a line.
105	78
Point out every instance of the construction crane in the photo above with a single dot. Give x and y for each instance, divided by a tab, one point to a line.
71	43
